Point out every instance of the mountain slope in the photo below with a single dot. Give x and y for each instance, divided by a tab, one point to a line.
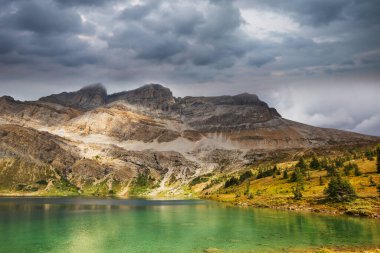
98	143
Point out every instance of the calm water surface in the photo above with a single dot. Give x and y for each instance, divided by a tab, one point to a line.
112	225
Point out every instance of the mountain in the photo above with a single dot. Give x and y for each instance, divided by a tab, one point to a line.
145	140
87	98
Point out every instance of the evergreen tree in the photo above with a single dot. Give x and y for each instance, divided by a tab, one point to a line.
232	181
308	177
301	164
331	170
347	169
285	175
371	182
297	192
338	162
296	176
314	163
323	163
246	175
369	154
339	190
321	181
357	171
247	187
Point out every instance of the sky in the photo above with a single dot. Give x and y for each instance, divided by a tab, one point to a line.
315	61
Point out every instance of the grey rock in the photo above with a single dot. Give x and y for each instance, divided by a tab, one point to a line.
87	98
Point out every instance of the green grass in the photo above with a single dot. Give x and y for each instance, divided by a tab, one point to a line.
276	192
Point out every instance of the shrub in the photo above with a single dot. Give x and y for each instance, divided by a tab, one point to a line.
339	190
371	182
267	172
245	175
297	192
198	180
230	182
347	168
338	162
42	182
247	188
142	180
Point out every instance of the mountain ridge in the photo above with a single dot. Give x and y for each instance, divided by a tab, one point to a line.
147	132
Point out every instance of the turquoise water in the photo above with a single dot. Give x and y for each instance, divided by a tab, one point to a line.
112	225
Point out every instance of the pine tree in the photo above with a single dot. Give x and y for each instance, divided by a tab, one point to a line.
331	170
247	187
297	192
301	164
347	169
339	190
371	182
357	171
296	176
321	181
314	163
285	176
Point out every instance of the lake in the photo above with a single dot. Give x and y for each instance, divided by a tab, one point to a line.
138	225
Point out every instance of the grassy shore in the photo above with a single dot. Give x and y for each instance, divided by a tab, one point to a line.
277	192
345	250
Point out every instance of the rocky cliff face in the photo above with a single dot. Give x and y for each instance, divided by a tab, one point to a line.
153	96
225	113
90	142
34	113
87	98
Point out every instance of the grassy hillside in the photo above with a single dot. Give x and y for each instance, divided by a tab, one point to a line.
267	185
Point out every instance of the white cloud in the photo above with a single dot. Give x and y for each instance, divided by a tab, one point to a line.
348	107
369	126
264	24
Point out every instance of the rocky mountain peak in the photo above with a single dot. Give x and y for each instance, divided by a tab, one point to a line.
87	98
7	99
152	90
96	88
153	96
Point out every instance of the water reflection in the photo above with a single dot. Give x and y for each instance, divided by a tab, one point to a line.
111	225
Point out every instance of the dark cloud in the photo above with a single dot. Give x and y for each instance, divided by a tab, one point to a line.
39	33
138	11
259	61
76	3
181	34
312	12
217	44
43	18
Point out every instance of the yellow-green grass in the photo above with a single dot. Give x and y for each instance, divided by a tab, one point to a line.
278	192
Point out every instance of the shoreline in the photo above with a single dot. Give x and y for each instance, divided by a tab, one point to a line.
307	205
311	205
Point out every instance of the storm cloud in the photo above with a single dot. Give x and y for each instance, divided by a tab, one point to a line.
317	61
